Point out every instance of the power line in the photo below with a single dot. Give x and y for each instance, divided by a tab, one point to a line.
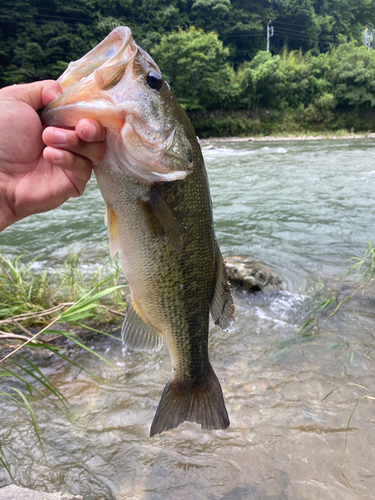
246	33
278	31
291	24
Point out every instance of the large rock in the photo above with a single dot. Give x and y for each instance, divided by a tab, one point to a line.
252	276
13	492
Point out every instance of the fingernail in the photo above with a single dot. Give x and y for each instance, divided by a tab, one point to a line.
57	155
58	136
87	132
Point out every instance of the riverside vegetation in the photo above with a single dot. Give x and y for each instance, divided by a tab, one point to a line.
318	75
38	310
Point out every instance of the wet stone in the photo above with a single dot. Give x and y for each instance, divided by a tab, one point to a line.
13	492
251	276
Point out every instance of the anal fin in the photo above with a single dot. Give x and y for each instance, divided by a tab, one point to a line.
137	333
222	304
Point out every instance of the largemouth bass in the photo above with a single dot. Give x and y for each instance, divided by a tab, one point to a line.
159	219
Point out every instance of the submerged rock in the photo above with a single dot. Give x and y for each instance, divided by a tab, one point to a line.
252	276
13	492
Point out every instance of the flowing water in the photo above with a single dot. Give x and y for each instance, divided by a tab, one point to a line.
301	207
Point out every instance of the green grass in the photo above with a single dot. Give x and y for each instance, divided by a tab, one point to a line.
36	309
31	299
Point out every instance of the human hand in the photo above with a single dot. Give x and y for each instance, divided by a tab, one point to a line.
35	178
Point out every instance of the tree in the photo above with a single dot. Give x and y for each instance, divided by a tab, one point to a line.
195	64
353	75
257	80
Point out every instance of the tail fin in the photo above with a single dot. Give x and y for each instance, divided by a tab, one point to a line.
204	405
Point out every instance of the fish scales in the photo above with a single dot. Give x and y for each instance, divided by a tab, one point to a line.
159	219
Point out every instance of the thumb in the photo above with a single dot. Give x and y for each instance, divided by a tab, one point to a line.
36	94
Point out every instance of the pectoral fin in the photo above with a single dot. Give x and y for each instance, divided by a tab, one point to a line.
137	333
112	229
222	305
161	218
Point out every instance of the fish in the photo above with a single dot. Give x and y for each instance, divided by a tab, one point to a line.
159	219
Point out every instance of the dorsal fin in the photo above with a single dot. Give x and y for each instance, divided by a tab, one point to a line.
112	229
222	305
137	333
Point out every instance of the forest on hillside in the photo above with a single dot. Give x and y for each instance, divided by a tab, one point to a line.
318	73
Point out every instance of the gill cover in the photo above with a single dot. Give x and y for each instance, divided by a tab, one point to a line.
120	86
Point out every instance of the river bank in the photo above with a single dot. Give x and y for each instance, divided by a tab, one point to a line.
309	121
291	137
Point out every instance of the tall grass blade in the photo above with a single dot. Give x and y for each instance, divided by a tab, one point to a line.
330	392
85	327
30	387
86	302
32	416
62	356
5	463
73	338
41	379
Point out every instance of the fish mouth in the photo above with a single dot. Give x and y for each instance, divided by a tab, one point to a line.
86	80
108	85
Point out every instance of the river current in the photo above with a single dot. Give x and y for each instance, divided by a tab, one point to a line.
301	207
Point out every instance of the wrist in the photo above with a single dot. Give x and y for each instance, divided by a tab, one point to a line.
7	214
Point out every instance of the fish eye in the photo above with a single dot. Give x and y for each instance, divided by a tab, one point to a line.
154	80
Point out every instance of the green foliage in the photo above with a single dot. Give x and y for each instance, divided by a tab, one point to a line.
64	30
327	91
195	65
18	368
295	87
258	80
212	53
352	75
216	5
344	16
226	126
364	266
31	299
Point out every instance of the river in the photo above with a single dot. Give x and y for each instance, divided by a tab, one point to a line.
301	207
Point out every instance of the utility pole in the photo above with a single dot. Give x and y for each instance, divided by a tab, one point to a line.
367	39
269	34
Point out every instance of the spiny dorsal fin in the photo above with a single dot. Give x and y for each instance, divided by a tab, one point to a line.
111	223
161	219
222	305
137	333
